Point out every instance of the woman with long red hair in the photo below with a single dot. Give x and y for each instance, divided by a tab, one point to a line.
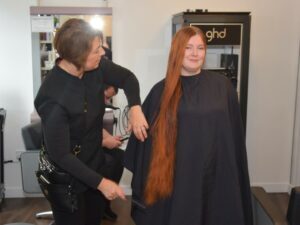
192	170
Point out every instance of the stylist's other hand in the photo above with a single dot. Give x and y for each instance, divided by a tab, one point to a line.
111	190
138	123
111	142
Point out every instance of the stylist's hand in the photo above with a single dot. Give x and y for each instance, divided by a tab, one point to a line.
138	123
111	142
111	190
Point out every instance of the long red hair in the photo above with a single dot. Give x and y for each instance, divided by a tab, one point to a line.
164	130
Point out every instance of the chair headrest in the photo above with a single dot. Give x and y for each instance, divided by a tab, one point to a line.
32	136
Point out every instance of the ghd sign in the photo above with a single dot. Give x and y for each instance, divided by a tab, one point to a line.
221	34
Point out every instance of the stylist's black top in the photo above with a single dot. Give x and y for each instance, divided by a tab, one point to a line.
72	111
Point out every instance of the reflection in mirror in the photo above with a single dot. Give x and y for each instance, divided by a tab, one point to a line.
44	23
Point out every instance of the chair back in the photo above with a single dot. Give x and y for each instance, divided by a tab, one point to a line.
32	136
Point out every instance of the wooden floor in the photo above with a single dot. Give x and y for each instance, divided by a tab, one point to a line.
281	200
23	210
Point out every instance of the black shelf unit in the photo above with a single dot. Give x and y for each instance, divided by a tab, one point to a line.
220	20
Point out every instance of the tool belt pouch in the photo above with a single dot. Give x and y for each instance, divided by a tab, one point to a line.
56	185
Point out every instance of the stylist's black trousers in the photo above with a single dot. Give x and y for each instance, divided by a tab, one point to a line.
90	211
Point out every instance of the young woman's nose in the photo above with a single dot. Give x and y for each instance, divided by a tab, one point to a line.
195	51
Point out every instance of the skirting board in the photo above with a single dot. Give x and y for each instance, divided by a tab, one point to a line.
16	192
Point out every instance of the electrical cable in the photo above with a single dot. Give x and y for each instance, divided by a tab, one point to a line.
124	120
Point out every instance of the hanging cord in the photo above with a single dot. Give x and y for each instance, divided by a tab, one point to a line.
121	120
124	120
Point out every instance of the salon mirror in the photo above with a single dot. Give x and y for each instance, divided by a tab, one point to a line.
44	23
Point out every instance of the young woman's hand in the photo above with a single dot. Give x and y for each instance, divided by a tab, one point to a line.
138	123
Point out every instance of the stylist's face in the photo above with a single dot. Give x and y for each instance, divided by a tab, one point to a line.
194	56
94	56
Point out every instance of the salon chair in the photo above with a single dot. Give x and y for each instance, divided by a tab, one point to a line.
32	137
29	161
109	120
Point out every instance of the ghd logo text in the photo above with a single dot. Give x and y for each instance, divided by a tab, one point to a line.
212	34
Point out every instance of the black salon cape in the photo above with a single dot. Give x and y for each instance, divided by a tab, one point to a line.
211	185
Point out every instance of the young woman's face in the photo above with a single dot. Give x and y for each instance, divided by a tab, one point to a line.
94	57
194	56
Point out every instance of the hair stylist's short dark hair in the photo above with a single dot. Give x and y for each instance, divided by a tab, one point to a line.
73	41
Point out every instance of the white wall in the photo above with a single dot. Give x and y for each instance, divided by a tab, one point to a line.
141	38
16	94
272	89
